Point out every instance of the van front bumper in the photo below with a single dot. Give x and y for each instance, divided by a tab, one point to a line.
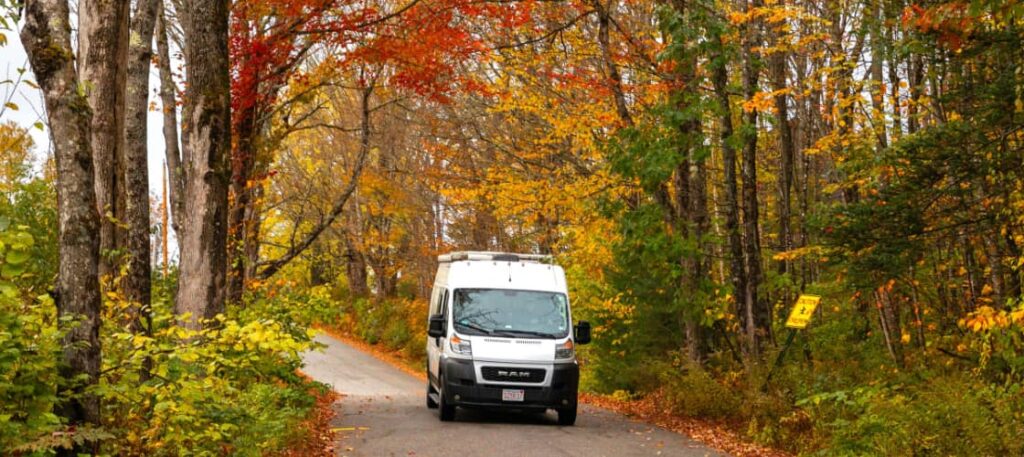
462	389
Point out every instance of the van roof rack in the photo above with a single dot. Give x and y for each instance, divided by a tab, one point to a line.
495	256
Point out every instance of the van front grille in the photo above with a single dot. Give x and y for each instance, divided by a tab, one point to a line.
506	374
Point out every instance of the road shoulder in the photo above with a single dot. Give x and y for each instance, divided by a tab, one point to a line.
385	393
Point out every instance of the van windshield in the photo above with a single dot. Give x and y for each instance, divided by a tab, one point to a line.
514	313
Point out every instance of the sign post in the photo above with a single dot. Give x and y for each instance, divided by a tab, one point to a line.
798	319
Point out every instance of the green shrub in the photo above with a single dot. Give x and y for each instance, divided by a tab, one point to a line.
691	391
232	386
396	334
416	351
399	324
297	307
30	345
31	208
406	289
372	317
945	415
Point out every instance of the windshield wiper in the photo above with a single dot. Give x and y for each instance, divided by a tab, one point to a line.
476	327
524	332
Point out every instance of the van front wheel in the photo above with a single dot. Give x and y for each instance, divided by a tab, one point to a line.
445	410
567	416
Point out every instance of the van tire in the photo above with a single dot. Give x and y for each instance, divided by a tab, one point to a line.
567	416
431	404
445	411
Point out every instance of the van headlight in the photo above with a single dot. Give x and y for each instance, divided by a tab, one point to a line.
565	350
461	346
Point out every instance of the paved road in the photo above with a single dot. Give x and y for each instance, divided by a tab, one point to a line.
383	414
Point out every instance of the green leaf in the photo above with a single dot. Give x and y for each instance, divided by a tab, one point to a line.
8	290
39	125
25	239
11	271
4	223
17	257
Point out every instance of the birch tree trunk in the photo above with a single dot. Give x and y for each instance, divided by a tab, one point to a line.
47	40
206	119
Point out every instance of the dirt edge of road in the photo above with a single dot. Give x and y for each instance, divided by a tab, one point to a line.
316	438
715	435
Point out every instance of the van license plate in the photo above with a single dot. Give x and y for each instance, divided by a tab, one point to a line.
512	395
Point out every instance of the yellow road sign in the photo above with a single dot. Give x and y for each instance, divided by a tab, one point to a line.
802	311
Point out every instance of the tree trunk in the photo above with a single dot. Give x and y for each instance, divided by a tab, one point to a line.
137	285
757	314
168	92
888	317
996	273
813	131
319	268
206	117
611	70
251	223
46	36
384	278
877	91
737	270
355	269
689	211
698	265
787	152
102	49
916	77
243	159
894	89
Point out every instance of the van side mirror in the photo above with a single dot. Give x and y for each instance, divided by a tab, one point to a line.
582	332
436	328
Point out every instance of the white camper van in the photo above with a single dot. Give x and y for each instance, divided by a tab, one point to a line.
501	335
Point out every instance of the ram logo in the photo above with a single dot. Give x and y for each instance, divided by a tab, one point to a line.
514	374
